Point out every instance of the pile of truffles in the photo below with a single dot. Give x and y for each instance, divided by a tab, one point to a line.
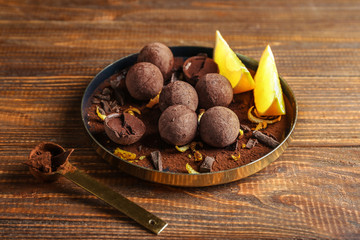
178	100
181	102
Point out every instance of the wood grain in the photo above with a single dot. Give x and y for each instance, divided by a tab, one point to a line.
49	51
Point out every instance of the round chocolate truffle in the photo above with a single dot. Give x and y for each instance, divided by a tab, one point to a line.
213	90
197	66
144	81
219	127
160	55
178	93
178	125
124	128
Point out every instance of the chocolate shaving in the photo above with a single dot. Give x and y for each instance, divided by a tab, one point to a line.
251	143
233	146
245	128
106	91
106	106
206	165
95	100
265	139
103	97
156	160
118	92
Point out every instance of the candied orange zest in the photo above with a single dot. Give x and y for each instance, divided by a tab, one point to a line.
241	133
101	116
198	156
131	110
201	112
235	157
255	119
124	154
153	101
190	169
182	148
261	125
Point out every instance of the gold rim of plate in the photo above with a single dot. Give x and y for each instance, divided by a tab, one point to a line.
212	178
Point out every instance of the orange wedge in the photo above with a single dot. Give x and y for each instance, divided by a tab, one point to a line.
268	96
231	67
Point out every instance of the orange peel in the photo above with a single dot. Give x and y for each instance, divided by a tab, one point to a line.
190	169
256	119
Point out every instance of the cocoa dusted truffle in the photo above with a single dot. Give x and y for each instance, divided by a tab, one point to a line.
178	93
214	89
144	81
219	127
160	55
124	128
196	67
178	125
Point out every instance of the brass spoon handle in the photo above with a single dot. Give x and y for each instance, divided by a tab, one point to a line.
124	205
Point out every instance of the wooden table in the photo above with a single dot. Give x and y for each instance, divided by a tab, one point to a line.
50	50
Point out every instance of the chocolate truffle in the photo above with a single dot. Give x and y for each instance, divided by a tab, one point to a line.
47	158
178	125
196	67
160	55
219	127
214	89
144	81
124	128
178	93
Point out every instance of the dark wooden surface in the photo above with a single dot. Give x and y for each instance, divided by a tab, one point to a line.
50	50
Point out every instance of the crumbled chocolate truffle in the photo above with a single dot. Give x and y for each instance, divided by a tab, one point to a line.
159	55
144	81
45	159
178	125
214	90
196	67
219	127
124	128
178	93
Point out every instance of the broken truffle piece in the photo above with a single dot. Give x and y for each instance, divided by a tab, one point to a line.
178	125
219	126
265	139
159	55
206	165
196	67
214	90
124	128
178	93
251	143
156	159
144	81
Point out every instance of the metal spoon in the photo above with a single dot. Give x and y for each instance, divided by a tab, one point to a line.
48	161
